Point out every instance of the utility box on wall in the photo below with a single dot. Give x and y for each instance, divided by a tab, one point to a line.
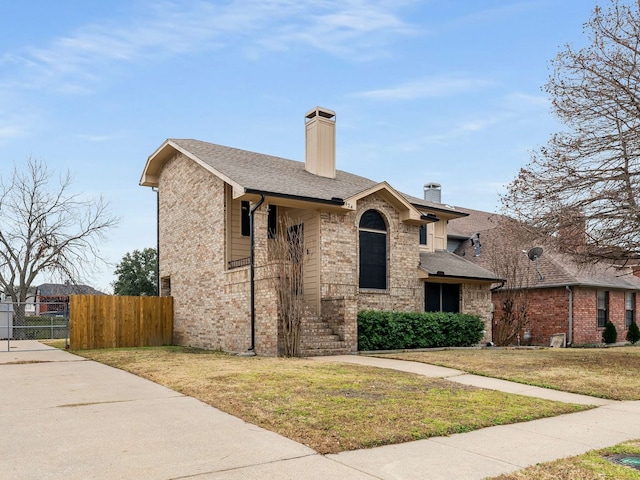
6	321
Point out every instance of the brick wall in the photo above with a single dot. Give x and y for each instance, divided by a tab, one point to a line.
585	324
211	304
475	299
548	311
404	291
191	228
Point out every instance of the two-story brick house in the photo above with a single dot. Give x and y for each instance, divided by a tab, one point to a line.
368	246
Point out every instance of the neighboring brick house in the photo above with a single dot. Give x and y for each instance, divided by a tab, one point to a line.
563	296
368	246
54	297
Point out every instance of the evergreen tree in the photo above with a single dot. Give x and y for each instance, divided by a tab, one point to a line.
610	334
137	274
633	333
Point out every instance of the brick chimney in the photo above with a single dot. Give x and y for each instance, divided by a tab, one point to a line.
572	231
320	134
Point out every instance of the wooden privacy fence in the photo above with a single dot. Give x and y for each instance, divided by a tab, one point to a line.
103	321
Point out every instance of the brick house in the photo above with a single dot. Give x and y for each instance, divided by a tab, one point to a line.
54	297
368	246
563	296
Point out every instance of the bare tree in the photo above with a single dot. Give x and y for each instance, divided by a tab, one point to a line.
585	182
287	265
44	228
507	258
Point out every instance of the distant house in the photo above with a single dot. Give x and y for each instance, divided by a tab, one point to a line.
563	296
30	303
368	246
53	297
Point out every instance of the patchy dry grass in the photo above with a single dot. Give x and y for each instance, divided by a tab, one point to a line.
600	372
330	407
590	466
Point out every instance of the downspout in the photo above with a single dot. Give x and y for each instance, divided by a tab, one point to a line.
570	339
252	273
155	189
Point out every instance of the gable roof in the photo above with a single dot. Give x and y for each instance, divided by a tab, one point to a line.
558	269
250	172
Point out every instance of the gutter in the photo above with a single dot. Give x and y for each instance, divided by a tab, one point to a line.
462	277
155	189
442	210
252	273
263	194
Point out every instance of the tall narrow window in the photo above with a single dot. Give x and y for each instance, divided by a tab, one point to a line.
165	287
603	308
272	221
423	234
629	308
245	212
373	251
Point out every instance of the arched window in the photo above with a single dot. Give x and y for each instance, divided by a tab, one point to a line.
373	251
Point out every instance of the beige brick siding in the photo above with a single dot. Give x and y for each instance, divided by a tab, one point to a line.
211	304
404	291
475	299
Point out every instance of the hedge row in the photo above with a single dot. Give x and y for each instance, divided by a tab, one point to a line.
378	330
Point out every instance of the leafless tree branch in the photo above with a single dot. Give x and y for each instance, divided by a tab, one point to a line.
44	228
587	178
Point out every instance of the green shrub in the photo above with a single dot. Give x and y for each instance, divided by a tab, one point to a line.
379	330
610	334
633	333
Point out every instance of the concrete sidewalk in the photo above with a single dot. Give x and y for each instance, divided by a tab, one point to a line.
495	450
67	417
459	376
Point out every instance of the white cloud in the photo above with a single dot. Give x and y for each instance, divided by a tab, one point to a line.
8	132
464	128
525	101
495	13
438	86
75	62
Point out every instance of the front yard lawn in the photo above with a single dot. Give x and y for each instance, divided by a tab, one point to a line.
612	373
592	465
330	407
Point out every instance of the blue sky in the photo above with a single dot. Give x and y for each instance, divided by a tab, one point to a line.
445	91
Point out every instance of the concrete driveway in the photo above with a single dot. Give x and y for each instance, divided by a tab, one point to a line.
64	417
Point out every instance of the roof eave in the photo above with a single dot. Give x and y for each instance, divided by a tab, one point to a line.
151	173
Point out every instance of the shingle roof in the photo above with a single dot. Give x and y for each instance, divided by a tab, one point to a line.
558	269
61	290
269	174
446	264
561	270
475	221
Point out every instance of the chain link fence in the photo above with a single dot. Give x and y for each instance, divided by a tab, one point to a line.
25	324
